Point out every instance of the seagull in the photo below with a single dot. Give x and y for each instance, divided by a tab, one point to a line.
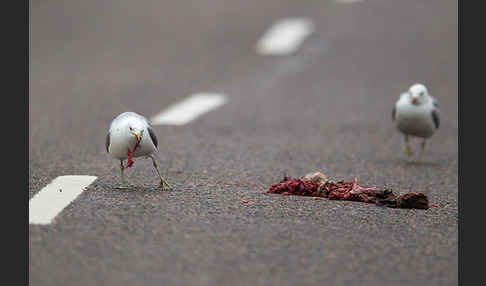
416	114
126	135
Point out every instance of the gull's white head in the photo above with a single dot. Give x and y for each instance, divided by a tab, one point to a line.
133	127
137	132
417	94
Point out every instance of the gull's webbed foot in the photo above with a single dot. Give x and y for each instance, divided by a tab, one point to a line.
165	186
121	187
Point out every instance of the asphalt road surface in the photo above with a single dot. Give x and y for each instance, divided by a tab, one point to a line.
326	108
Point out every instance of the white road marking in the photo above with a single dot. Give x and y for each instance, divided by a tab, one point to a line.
285	36
53	198
189	109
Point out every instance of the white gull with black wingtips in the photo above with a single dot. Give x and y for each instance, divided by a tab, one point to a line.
125	131
416	114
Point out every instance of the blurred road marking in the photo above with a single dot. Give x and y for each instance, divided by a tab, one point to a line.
189	109
53	198
285	36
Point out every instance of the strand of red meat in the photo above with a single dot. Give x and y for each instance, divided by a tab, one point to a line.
130	155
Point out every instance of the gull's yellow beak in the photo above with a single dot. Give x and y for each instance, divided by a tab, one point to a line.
138	136
414	100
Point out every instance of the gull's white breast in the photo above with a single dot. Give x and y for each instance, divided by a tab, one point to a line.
414	120
121	141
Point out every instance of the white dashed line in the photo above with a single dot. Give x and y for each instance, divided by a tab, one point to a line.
189	109
53	198
285	36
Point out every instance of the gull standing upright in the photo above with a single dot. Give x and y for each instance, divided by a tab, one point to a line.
416	114
126	135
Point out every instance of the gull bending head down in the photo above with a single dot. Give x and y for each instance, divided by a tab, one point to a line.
130	135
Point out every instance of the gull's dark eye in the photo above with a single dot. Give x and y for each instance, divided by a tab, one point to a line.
421	94
131	128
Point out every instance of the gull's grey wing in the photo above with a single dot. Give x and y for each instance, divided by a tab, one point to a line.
394	111
152	136
434	101
107	142
435	117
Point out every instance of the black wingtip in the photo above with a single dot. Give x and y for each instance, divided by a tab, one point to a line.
153	136
435	117
107	142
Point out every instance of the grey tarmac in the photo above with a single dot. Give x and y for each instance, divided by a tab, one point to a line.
325	108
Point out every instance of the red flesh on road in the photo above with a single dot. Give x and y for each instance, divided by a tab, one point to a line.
350	191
